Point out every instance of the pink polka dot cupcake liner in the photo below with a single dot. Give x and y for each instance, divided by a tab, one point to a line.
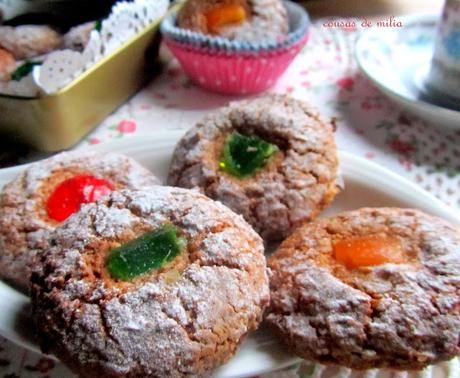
234	73
231	67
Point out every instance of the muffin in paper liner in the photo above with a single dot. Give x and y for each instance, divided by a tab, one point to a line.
236	67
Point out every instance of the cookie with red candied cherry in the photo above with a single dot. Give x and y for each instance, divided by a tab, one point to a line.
47	193
158	283
370	288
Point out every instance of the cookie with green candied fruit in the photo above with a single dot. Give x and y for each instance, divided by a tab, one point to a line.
157	283
272	159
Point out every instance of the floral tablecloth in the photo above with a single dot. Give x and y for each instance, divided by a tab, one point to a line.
325	74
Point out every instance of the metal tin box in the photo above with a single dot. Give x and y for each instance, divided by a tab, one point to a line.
58	121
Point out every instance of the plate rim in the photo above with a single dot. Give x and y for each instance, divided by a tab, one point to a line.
350	163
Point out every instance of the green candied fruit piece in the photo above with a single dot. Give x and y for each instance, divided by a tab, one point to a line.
149	251
24	69
243	155
98	25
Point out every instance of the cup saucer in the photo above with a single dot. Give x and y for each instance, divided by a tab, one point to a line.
397	60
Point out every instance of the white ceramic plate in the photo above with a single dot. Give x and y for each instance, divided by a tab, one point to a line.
366	184
397	60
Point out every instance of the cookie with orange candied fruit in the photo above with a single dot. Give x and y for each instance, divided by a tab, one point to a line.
47	192
245	20
157	283
370	288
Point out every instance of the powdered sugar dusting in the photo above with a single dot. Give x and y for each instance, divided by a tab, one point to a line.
24	230
268	21
279	197
392	315
122	168
158	328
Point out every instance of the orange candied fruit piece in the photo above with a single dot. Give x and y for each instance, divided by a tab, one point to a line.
224	15
369	250
7	65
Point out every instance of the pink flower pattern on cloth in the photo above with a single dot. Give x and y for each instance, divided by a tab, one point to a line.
126	126
325	74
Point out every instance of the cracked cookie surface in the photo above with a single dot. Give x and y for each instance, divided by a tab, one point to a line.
28	41
24	222
403	316
265	19
295	185
184	319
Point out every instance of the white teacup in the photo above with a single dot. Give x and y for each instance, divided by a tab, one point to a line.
444	74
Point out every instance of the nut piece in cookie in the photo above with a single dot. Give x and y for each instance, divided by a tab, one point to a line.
47	193
28	41
157	283
246	20
370	288
272	160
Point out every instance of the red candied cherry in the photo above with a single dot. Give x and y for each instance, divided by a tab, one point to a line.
70	194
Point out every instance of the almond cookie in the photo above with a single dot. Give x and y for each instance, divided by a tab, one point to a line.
46	193
371	288
272	160
28	41
244	20
158	283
